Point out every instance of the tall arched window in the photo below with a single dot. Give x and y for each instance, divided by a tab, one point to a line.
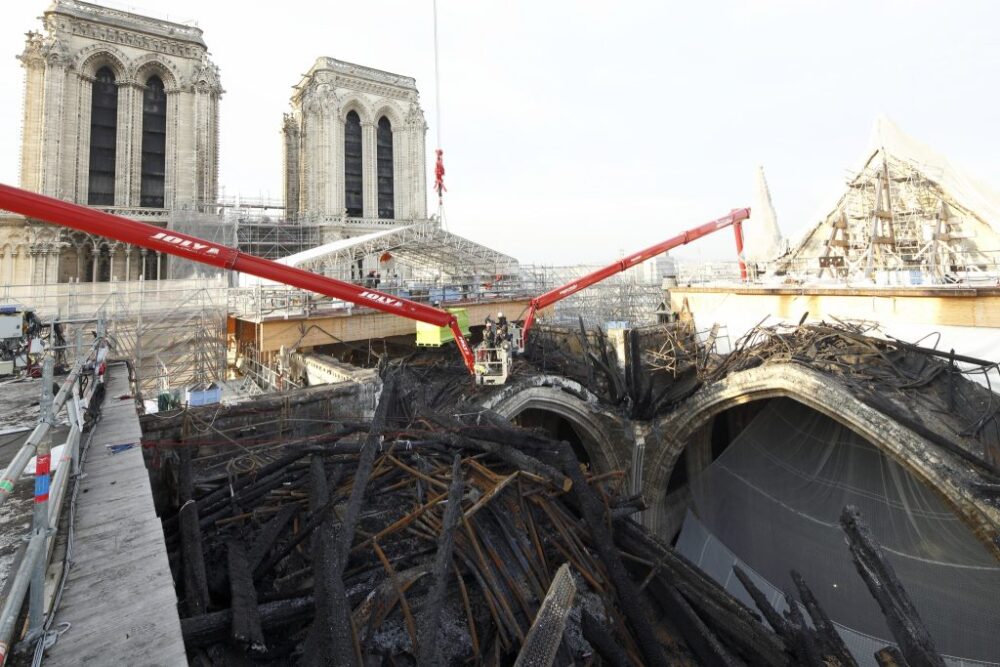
154	143
103	138
353	197
384	168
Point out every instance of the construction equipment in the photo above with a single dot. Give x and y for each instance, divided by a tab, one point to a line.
490	363
22	340
493	362
59	212
429	335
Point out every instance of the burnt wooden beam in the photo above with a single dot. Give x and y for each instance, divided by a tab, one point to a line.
744	631
206	502
333	626
314	521
319	643
751	646
632	602
774	619
269	536
234	504
915	642
603	641
428	651
698	637
214	627
366	462
192	554
246	627
804	644
831	641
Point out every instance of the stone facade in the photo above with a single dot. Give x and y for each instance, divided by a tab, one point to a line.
315	152
62	66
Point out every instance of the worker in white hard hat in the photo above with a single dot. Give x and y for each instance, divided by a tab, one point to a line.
489	333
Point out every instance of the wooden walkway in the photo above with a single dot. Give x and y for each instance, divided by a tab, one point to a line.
119	596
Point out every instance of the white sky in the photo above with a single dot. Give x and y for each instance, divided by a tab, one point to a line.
576	129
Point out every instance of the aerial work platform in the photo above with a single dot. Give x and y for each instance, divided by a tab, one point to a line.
119	596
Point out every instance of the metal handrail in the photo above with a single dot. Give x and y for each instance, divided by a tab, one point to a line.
30	574
20	460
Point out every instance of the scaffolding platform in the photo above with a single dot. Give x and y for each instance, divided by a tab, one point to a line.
119	596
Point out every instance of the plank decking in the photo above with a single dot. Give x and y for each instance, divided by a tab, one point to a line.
119	596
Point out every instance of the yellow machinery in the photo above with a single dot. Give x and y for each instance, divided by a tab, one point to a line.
429	335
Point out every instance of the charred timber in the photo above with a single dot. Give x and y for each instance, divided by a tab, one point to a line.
915	643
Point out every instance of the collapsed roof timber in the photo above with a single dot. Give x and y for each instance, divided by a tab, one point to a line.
441	527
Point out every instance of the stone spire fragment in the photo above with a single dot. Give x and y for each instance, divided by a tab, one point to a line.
762	238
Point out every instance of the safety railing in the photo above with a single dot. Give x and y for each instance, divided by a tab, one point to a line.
49	490
282	301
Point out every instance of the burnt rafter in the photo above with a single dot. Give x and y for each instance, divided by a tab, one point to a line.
435	531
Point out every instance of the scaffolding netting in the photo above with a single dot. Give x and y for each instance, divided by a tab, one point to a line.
774	496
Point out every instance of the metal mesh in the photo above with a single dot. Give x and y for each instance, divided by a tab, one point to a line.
774	497
542	643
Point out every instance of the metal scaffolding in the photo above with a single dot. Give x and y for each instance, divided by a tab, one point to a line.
172	331
634	297
421	251
906	216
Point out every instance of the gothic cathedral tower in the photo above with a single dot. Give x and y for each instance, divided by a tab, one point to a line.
121	112
354	149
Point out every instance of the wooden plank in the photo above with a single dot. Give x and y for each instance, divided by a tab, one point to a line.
119	594
363	325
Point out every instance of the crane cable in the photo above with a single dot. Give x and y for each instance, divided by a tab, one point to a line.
439	163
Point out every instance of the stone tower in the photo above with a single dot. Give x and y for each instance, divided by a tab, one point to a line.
354	148
121	112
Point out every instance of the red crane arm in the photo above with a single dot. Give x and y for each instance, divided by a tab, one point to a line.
92	221
735	217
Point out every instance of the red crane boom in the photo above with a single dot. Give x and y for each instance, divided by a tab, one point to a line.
92	221
735	219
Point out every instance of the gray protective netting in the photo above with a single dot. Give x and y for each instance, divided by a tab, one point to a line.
206	227
774	498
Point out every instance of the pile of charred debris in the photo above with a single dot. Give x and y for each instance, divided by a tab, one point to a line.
927	390
432	536
653	369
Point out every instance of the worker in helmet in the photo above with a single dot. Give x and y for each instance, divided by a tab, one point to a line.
489	333
502	329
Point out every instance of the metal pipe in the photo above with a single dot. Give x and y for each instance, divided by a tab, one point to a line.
32	568
40	523
20	460
19	586
738	231
64	468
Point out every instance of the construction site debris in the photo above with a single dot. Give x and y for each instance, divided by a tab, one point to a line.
924	389
425	537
